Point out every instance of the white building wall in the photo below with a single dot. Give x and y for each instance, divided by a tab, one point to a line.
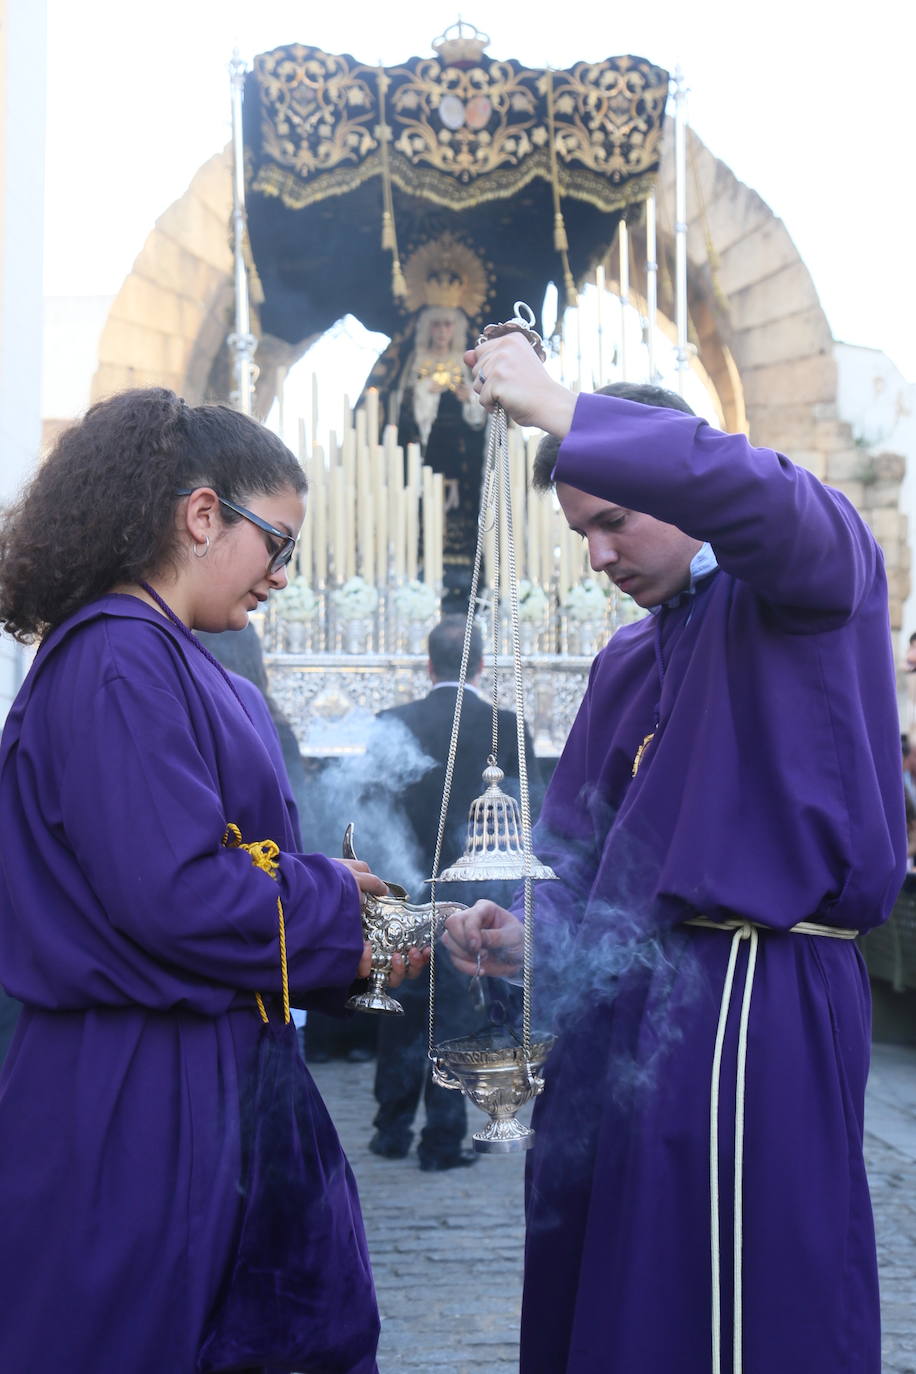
880	405
23	46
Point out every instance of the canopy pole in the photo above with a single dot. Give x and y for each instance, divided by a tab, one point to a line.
242	343
651	285
600	288
680	224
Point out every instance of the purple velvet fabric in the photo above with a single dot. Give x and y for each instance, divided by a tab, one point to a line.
136	942
772	791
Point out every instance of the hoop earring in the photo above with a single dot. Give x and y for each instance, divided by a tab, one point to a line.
205	546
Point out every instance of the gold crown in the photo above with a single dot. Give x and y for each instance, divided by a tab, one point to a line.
463	47
445	272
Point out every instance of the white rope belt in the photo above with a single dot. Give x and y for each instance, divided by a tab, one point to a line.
741	930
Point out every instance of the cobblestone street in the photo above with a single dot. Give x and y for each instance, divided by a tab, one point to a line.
447	1248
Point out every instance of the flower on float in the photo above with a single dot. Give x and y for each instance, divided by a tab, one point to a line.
297	601
356	599
532	601
416	601
587	600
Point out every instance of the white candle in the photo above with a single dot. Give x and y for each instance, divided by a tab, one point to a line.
382	533
372	415
429	564
338	525
348	493
532	516
318	505
564	569
364	525
438	525
544	519
410	508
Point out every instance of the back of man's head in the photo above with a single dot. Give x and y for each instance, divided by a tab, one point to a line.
446	641
546	457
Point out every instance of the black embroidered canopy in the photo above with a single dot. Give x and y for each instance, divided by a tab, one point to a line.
474	173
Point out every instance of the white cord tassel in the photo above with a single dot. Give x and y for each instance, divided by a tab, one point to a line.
746	931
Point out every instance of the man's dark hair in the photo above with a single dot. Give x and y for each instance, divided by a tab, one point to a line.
545	459
446	641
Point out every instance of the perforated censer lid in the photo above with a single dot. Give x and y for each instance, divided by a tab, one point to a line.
494	849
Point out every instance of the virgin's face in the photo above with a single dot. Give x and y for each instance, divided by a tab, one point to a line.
441	333
234	576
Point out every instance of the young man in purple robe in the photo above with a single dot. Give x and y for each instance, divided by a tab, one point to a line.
134	937
727	813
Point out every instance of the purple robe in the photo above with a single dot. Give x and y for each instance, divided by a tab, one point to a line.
136	941
771	792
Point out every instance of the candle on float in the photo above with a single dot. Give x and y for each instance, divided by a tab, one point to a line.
429	562
394	567
517	490
338	525
533	501
548	554
439	526
318	506
362	429
348	494
414	463
365	523
564	572
305	554
391	465
503	551
600	287
411	511
372	415
381	510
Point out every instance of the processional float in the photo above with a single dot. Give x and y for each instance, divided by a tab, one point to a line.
452	183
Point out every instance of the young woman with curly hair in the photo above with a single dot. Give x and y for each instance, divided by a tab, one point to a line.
134	937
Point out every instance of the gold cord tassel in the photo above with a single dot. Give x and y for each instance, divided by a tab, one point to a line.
263	854
560	239
389	231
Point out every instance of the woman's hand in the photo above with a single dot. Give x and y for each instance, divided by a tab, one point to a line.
488	931
402	967
508	372
366	880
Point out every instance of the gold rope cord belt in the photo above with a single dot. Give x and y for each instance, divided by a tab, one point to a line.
263	854
740	930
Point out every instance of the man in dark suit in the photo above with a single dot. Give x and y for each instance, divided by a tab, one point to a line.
403	1071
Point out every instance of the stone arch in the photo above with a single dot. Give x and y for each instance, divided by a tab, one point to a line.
756	321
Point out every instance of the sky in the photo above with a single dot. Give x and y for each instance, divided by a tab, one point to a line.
807	104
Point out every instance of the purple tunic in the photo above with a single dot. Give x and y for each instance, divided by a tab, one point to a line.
771	792
137	941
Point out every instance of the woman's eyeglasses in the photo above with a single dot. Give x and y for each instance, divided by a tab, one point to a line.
279	557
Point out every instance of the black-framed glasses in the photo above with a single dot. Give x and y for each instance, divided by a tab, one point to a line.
280	557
